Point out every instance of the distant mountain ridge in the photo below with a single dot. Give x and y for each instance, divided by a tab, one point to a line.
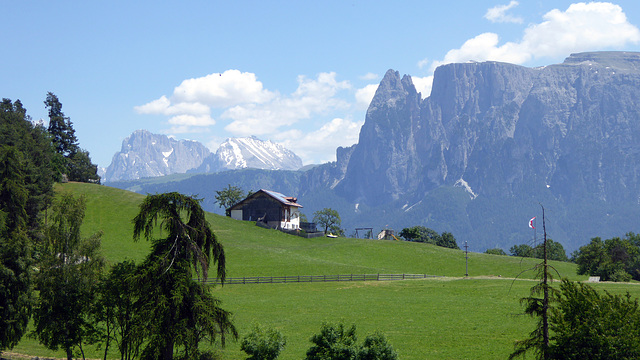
250	152
144	154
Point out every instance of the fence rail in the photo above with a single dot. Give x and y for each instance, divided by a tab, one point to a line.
319	278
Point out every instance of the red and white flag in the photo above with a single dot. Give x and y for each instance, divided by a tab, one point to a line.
531	222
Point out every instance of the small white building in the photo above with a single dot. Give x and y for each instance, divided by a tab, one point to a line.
272	208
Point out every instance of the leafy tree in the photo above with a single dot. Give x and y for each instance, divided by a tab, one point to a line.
522	250
376	347
81	169
555	251
179	311
334	342
590	325
68	280
429	236
495	251
614	259
329	219
447	240
230	196
420	234
117	309
263	343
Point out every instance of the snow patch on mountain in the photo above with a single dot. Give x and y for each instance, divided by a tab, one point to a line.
250	152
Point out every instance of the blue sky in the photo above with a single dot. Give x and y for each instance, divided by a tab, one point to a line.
299	73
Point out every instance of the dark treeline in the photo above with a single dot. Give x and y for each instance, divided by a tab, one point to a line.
32	158
429	236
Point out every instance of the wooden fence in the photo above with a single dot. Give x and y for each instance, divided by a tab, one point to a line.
319	278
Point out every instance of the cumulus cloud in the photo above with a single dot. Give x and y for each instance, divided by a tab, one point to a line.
423	85
311	97
499	14
222	90
582	27
320	145
189	107
365	95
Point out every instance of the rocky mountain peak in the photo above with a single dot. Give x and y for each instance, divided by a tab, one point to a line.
144	154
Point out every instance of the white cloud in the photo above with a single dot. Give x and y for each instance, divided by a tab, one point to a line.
311	97
499	14
365	95
422	63
190	105
158	106
222	90
320	145
582	27
369	76
485	47
191	120
423	85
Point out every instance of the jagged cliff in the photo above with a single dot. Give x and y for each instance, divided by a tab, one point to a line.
572	128
566	136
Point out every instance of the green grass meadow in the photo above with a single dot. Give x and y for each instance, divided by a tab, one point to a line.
449	317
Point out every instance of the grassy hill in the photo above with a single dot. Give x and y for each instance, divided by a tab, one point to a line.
443	318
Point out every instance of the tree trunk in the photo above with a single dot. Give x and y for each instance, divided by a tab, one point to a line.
167	351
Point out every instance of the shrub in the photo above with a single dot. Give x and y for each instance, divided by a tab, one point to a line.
263	343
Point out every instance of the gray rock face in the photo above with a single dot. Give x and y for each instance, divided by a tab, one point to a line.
250	152
144	154
572	129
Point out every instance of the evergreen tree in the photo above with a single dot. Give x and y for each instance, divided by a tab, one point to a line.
26	188
76	163
15	250
61	129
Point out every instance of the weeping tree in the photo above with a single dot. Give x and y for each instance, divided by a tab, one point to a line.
179	311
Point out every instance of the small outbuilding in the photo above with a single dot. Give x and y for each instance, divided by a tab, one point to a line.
275	210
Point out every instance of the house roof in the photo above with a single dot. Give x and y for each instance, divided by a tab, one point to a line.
286	200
